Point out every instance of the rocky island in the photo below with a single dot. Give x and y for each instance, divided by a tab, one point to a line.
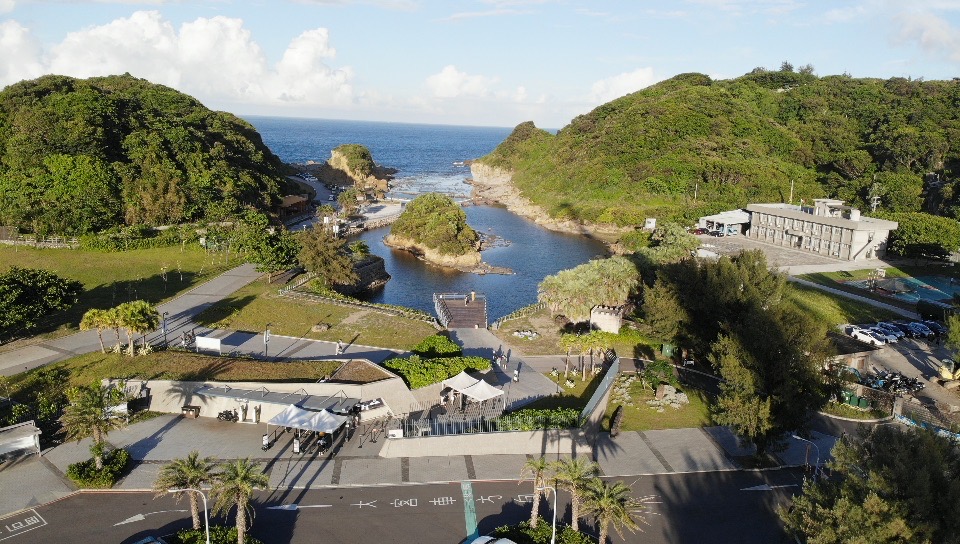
434	228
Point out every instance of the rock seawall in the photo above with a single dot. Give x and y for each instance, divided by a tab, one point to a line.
496	184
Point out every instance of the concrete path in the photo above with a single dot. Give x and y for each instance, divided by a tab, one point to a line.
180	313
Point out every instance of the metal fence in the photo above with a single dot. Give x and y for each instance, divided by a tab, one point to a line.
605	384
453	424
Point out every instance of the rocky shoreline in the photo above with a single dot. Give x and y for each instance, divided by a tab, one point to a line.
471	262
492	184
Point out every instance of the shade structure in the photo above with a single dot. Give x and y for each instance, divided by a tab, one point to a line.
460	382
308	420
482	391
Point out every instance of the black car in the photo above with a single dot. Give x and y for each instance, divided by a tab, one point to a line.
935	326
907	330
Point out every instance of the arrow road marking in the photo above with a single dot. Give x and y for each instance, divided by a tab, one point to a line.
766	487
361	504
141	517
294	507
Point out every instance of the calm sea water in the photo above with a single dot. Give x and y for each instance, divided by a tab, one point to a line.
424	156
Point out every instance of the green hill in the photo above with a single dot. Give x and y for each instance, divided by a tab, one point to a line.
81	156
690	146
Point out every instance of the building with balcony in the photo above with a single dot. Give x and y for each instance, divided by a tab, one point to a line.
827	228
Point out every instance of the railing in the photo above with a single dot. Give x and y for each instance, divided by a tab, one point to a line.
601	391
441	307
291	293
518	314
297	284
454	424
49	241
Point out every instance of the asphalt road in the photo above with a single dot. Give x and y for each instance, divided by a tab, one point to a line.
717	507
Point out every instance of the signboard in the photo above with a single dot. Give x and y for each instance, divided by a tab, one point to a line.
650	223
207	342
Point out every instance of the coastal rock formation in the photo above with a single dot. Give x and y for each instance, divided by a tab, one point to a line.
496	184
467	262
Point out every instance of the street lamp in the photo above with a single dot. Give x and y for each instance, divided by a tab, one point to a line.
816	465
206	518
164	327
553	537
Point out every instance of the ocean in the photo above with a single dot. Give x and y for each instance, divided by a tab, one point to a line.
425	157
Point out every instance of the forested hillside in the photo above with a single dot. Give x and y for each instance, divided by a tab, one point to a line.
690	146
80	156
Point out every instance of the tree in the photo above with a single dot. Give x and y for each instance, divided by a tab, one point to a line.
348	201
953	332
613	503
662	310
233	486
98	319
574	292
535	470
191	471
359	248
923	235
324	211
272	249
885	485
574	475
27	295
137	317
437	222
89	414
325	255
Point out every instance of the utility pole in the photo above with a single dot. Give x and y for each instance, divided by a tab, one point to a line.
791	190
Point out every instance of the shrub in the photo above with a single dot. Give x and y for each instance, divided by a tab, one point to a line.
418	372
617	421
522	533
437	345
531	419
85	474
219	534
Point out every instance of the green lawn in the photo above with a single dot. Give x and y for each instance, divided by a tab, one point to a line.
171	365
569	397
835	309
110	278
638	416
252	307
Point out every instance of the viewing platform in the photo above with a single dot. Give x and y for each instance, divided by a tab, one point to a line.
461	310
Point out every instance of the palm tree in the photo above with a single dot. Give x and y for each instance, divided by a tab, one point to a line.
138	317
112	320
95	318
189	472
613	503
89	414
574	475
233	486
534	470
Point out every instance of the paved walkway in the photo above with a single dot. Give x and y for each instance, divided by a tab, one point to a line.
181	311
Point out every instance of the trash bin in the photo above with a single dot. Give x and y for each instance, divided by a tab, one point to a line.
192	412
854	400
845	396
863	403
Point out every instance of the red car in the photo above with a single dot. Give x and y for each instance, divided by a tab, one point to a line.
701	230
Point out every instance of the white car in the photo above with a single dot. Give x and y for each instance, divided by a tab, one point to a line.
864	336
887	336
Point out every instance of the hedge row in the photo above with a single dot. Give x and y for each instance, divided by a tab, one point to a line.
418	372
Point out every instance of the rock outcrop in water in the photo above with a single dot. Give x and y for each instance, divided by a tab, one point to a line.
371	274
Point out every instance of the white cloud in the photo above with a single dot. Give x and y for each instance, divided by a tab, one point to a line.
616	86
452	83
214	59
6	6
21	53
931	32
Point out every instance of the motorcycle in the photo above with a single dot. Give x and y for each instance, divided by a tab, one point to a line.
229	415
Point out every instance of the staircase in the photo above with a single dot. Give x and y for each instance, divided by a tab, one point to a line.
461	311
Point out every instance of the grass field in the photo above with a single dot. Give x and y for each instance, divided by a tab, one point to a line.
111	278
173	365
638	416
251	308
835	309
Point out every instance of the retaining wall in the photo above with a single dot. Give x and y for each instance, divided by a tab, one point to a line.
536	443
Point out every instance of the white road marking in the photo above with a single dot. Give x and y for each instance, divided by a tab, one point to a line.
141	517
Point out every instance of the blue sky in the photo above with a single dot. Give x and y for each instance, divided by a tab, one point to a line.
479	62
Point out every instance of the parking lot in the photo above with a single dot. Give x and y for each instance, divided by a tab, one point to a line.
777	256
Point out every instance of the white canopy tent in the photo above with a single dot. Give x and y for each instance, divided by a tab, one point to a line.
307	420
482	391
460	382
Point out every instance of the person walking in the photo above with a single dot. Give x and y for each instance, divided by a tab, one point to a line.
339	347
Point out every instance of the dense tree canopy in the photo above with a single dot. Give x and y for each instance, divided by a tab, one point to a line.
690	146
437	222
887	485
27	295
573	292
80	156
923	235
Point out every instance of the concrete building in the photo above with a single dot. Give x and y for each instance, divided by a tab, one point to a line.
729	223
826	228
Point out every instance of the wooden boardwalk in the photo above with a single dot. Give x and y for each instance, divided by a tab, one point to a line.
461	311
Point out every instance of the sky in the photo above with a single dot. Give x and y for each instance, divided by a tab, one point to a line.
463	62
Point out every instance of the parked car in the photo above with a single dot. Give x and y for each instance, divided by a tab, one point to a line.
919	331
910	332
891	329
924	330
716	233
701	230
864	336
935	326
888	337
